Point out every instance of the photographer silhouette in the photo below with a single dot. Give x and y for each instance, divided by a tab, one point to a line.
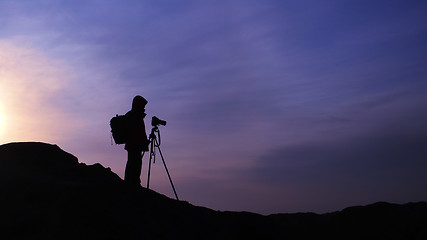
137	141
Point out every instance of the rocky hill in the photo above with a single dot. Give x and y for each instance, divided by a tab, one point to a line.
47	194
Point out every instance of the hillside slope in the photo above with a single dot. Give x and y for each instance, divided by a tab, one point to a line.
47	194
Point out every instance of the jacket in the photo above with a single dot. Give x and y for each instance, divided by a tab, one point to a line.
136	135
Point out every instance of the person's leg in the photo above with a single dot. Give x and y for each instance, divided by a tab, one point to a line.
133	167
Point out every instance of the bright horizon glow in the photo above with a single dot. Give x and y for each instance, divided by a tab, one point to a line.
30	80
1	123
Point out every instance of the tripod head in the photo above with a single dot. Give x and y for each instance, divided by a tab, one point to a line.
155	135
156	122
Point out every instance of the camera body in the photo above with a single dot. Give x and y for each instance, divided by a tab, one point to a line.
155	121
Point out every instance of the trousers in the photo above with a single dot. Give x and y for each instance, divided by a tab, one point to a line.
133	167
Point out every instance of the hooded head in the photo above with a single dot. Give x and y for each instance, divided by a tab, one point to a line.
139	103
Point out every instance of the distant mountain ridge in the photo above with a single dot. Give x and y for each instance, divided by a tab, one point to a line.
47	194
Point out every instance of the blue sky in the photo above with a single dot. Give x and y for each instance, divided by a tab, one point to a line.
272	106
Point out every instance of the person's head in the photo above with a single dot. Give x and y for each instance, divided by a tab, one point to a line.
139	103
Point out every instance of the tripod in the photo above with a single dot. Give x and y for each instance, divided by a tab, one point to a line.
153	145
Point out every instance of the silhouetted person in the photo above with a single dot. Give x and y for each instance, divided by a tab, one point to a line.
137	141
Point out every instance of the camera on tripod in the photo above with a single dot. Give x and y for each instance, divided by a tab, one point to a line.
155	144
155	121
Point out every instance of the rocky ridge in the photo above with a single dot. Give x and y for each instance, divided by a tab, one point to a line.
47	194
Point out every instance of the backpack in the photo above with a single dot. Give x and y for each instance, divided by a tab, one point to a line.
119	129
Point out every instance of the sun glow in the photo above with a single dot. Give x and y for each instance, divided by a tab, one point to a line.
31	84
1	123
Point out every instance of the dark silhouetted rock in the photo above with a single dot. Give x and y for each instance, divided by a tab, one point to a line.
47	194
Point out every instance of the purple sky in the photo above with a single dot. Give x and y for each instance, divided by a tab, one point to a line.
272	106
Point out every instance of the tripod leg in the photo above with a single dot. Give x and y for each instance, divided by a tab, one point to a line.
149	163
164	163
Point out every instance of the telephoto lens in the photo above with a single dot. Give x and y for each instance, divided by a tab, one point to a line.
155	121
